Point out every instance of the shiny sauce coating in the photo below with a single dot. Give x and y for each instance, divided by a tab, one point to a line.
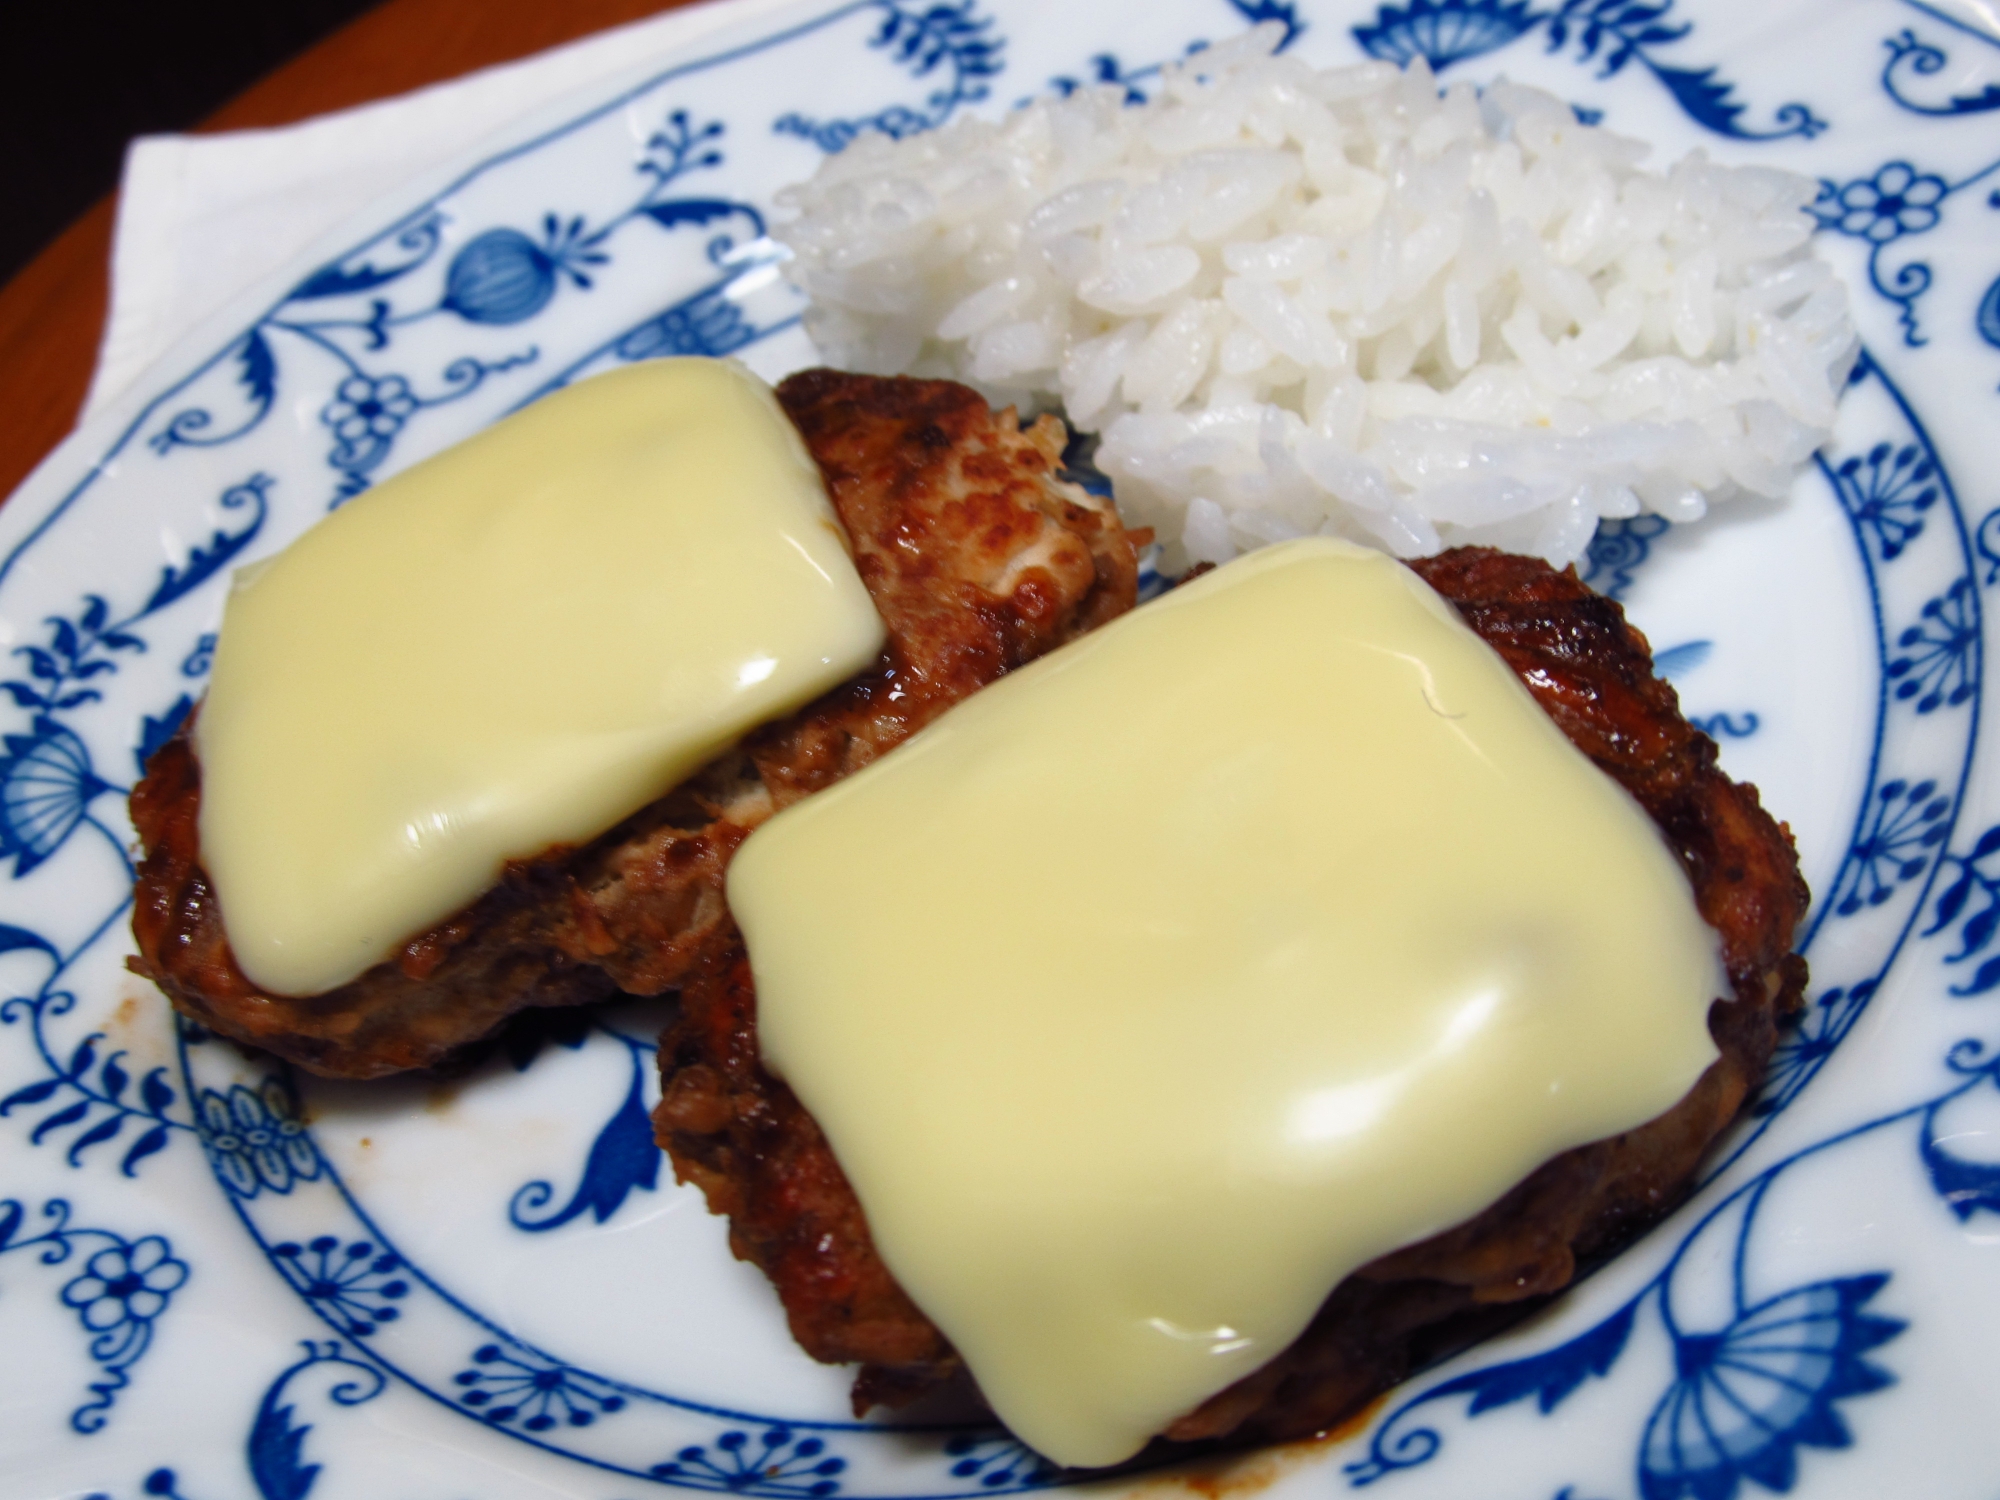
1152	991
509	647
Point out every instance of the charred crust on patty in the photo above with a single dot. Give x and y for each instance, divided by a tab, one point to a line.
740	1134
979	559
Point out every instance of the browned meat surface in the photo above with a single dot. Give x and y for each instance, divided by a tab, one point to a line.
979	560
744	1139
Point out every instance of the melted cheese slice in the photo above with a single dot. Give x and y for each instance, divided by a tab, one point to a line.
511	646
1156	988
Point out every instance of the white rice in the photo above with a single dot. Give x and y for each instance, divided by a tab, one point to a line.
1295	301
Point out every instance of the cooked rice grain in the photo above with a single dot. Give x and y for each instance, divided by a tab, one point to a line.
1295	301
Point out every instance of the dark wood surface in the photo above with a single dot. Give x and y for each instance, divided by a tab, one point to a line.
52	313
80	78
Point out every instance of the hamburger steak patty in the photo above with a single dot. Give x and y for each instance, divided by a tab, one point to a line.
977	556
745	1140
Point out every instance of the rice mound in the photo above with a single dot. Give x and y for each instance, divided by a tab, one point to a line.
1295	301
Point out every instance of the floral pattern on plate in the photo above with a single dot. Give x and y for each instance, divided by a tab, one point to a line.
231	1281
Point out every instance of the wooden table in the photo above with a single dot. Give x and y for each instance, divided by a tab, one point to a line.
52	314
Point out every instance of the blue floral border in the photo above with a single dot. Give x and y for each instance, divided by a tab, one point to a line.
1905	872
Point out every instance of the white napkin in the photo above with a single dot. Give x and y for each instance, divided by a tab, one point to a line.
200	218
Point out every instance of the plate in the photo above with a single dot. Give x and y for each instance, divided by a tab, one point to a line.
221	1280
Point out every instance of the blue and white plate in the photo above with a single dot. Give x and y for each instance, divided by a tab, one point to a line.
221	1280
